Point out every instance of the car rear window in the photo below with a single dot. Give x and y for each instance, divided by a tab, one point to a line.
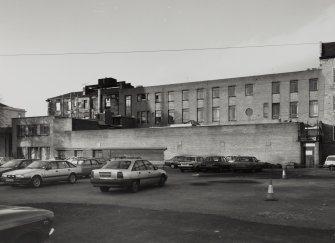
330	158
119	164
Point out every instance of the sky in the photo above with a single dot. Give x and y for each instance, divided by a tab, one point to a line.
88	26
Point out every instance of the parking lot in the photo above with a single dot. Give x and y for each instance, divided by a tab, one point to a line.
192	207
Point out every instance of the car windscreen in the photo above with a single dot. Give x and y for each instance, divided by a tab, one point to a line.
11	163
38	165
119	164
80	162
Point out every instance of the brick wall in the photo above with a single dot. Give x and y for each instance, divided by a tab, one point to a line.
269	142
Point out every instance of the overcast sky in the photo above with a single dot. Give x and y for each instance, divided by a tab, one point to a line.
75	26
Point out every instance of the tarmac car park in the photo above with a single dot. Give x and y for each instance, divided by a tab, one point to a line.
40	172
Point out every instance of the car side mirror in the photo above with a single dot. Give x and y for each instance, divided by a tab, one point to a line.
155	168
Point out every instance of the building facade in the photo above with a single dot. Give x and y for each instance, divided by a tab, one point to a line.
306	98
6	115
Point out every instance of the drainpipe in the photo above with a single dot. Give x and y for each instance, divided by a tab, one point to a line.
99	100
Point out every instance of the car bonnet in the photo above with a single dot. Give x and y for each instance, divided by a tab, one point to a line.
12	216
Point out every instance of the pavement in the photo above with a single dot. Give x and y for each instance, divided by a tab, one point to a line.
192	207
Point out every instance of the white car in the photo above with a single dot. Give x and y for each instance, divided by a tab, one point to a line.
330	162
128	173
40	172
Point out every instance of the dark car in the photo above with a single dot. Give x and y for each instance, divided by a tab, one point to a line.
214	163
249	163
15	164
174	162
25	224
87	165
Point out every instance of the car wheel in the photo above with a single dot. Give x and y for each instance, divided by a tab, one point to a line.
134	186
332	167
104	188
172	166
72	178
162	180
36	181
182	170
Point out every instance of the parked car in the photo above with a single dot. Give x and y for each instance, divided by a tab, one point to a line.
15	164
190	163
40	172
268	165
130	173
174	162
25	224
330	162
214	163
101	161
87	165
246	163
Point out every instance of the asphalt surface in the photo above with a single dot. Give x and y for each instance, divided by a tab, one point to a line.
205	207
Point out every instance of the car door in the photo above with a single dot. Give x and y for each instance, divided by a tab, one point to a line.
153	175
63	170
141	172
86	167
51	173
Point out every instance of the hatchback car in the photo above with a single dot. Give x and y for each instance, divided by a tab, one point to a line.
15	164
86	165
40	172
131	174
25	224
214	163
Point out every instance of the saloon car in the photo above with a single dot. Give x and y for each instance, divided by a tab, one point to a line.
40	172
25	224
214	163
190	163
128	173
15	164
174	162
330	162
86	165
249	163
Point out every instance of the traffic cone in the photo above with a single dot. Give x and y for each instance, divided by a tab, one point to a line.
270	194
284	174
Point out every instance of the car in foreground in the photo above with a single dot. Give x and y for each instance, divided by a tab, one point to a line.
190	163
86	165
214	163
330	162
249	163
25	224
15	164
43	171
131	174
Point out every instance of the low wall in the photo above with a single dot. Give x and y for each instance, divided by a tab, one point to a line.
275	143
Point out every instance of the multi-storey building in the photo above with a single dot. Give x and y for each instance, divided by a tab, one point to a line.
302	96
232	112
